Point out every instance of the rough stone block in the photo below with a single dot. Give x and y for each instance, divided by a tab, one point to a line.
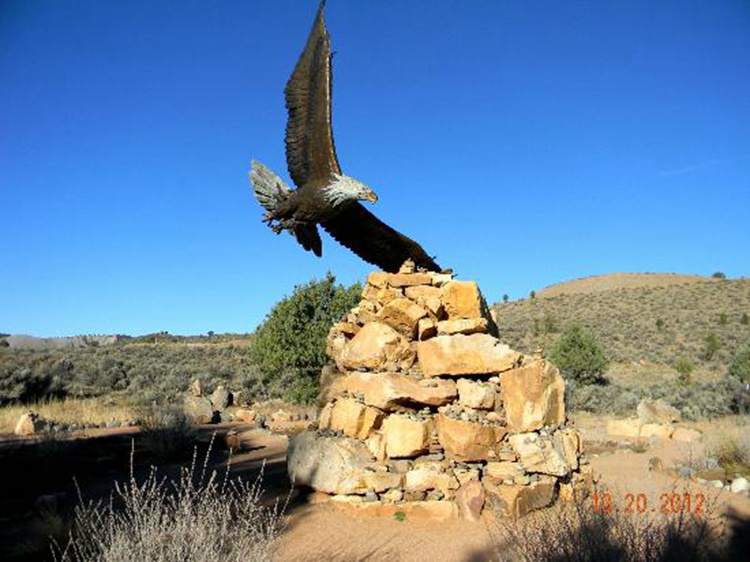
403	316
533	396
478	395
470	500
406	437
468	441
462	326
376	347
516	501
354	419
537	454
465	355
392	391
462	299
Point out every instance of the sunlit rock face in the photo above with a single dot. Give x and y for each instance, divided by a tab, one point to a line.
427	411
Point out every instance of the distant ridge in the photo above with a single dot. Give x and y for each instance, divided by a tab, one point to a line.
612	281
32	342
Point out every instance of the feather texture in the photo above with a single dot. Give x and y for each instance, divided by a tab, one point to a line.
374	241
310	151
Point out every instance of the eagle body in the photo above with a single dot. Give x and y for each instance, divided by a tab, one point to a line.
324	196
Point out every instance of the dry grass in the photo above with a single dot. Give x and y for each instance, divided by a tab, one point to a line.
573	533
69	411
730	445
199	518
599	283
656	324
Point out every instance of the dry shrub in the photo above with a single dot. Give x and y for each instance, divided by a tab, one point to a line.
166	432
67	411
198	518
730	445
576	532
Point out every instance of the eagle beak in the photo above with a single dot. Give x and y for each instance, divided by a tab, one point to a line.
371	196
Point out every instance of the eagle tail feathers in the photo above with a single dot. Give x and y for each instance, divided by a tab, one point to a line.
269	188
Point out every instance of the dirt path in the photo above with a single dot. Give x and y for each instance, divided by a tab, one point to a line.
322	531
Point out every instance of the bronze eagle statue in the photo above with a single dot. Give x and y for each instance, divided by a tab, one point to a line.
324	195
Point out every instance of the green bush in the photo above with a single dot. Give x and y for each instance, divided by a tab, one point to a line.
740	365
685	368
292	338
695	402
579	356
143	372
711	346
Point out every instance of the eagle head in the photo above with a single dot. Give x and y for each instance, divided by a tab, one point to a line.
345	189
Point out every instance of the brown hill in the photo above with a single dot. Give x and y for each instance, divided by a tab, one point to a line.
600	283
638	317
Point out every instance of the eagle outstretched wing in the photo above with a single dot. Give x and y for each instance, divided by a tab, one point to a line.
374	241
310	151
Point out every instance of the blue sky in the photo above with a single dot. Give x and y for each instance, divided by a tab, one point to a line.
523	143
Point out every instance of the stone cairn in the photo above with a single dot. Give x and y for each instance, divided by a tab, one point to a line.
427	412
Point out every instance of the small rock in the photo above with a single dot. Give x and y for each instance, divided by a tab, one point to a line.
195	388
739	485
220	398
435	495
371	496
29	424
712	463
393	496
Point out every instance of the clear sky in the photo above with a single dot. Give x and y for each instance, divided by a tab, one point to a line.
523	143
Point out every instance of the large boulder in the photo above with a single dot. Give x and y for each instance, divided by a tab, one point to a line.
468	441
392	391
567	442
428	298
538	454
517	500
502	471
470	500
403	316
462	299
377	347
406	436
199	408
477	395
335	465
460	354
29	424
533	396
350	417
221	398
462	326
656	411
426	477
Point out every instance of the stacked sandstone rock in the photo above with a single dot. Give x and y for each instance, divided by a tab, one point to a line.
427	409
